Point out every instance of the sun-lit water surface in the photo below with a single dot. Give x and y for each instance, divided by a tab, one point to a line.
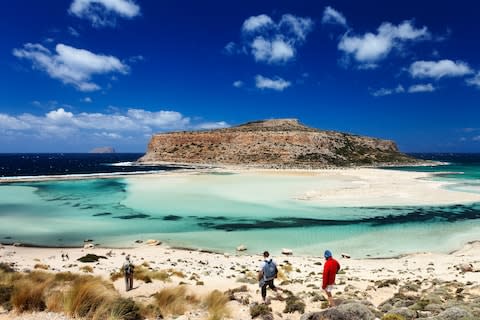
221	211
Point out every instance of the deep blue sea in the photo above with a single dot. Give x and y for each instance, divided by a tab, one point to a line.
221	211
39	164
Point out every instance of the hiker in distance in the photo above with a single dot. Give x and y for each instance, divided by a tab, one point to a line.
330	270
267	274
128	271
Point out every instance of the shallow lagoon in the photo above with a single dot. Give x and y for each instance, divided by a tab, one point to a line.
221	211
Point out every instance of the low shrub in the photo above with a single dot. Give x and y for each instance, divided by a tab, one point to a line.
174	301
216	304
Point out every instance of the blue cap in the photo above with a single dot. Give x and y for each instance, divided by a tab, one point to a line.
327	254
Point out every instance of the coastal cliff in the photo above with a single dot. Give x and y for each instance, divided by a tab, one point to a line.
272	143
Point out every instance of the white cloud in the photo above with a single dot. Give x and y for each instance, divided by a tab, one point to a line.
476	138
87	100
276	83
295	28
212	125
134	122
439	69
71	65
255	23
475	81
73	32
272	51
421	88
238	84
272	42
386	91
104	12
333	16
372	47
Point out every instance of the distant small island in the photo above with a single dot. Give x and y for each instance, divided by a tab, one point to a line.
102	150
276	143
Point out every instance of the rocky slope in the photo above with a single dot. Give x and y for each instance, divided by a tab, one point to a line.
272	143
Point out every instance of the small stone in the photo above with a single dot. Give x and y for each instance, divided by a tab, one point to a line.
287	252
241	248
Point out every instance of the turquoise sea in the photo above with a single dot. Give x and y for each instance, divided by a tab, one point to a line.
220	211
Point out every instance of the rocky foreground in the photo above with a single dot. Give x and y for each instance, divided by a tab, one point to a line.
183	284
281	143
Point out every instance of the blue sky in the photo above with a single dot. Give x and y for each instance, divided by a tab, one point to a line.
77	74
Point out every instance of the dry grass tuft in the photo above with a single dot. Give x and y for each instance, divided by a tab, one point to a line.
124	309
216	304
144	274
86	269
89	297
174	301
55	301
28	295
41	266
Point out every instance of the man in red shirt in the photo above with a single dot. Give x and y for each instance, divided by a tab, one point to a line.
330	270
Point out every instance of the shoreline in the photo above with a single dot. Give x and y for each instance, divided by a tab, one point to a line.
205	168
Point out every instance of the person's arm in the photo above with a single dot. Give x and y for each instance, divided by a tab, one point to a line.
338	267
260	271
325	276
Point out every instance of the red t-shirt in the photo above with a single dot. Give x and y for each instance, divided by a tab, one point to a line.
330	270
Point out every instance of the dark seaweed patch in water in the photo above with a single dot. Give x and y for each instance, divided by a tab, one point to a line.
413	215
133	216
102	214
172	217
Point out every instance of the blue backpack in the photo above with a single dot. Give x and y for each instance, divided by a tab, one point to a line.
270	270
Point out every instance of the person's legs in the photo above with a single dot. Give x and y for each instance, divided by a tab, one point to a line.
131	281
328	291
264	292
127	286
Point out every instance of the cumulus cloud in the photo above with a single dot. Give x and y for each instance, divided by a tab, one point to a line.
388	91
372	47
439	69
103	13
332	16
475	81
421	88
63	124
272	51
272	42
276	83
255	23
70	65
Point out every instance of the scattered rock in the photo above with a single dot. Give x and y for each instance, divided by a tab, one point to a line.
241	248
455	313
90	258
88	246
465	267
406	313
287	252
345	255
152	242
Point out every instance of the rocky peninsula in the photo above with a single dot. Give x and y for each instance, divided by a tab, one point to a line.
278	143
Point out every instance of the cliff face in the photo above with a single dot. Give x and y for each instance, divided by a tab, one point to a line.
271	143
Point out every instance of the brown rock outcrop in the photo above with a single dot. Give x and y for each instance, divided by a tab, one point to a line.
272	143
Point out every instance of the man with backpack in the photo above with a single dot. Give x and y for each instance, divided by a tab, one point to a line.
330	270
128	271
266	274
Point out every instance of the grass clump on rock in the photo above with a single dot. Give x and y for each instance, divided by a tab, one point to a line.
260	310
294	303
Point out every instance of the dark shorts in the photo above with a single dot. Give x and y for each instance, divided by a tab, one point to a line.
268	283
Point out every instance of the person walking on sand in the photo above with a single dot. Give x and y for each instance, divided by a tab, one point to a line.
266	274
128	271
330	270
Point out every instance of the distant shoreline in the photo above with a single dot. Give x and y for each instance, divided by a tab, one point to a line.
204	168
